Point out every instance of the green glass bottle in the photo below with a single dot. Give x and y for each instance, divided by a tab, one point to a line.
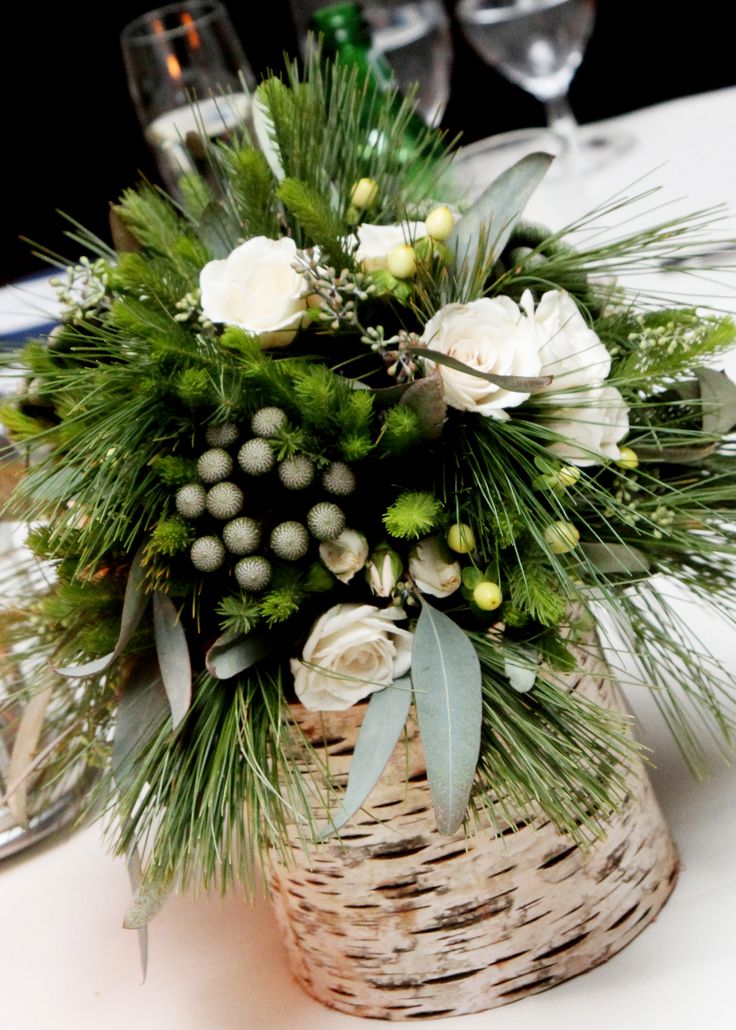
346	38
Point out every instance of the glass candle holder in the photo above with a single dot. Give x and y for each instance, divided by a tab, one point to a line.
188	78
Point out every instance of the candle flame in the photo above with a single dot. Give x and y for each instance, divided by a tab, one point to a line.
172	64
192	34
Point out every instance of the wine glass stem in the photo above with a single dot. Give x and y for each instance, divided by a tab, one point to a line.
561	120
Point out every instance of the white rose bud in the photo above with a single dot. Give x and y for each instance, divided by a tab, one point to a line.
375	242
491	335
383	571
257	288
432	569
345	555
353	650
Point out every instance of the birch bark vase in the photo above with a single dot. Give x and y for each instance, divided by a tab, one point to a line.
394	921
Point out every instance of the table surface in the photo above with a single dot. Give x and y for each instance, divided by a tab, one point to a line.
217	964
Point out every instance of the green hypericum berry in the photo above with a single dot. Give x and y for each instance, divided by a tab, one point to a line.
325	521
338	479
267	422
214	465
223	435
207	553
242	536
256	457
253	573
296	473
290	541
191	500
224	500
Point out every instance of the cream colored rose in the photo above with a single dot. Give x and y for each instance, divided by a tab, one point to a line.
432	568
352	651
593	422
256	288
345	555
569	349
492	335
375	242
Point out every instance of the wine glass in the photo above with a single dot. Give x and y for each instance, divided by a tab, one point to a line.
187	77
539	44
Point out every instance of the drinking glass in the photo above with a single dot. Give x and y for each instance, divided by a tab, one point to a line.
188	77
539	44
413	36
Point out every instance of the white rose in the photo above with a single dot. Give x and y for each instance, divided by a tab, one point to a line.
256	288
593	423
569	349
432	569
345	555
375	242
492	335
352	651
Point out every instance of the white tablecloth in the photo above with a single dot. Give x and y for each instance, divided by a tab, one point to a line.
65	963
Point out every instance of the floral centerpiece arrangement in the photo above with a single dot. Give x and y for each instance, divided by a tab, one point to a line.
316	436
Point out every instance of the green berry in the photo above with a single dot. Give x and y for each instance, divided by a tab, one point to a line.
267	421
256	457
242	536
338	479
460	538
487	596
224	500
561	537
325	521
191	500
214	465
223	435
290	541
253	573
207	554
296	473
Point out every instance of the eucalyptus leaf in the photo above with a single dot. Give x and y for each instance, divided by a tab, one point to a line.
612	558
426	398
382	725
718	398
519	384
173	656
522	675
676	454
142	707
24	747
446	677
491	219
263	128
135	876
135	602
148	898
218	230
232	654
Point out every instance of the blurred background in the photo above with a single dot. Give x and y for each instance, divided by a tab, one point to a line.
72	141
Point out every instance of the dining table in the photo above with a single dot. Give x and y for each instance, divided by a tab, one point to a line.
217	962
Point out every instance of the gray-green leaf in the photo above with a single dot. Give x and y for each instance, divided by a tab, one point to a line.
142	707
381	728
173	656
148	898
616	559
135	875
446	676
218	230
718	398
232	654
491	219
134	604
520	384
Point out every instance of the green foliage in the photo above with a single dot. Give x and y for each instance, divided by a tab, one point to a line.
175	470
535	589
280	604
401	430
316	218
251	187
239	613
170	536
192	387
412	515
